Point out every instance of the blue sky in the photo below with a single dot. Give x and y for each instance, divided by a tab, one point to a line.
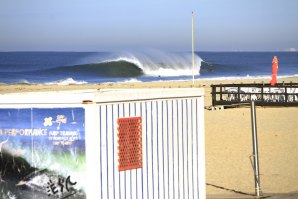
110	25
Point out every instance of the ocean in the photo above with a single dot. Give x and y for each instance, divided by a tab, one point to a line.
95	67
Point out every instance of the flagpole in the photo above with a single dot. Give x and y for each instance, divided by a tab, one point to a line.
193	49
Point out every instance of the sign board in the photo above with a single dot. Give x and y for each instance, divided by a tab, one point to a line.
42	152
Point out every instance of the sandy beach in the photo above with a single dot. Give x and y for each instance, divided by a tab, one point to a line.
228	138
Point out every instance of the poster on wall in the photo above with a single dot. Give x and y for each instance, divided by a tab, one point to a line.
42	153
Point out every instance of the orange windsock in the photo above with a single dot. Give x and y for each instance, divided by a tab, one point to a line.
274	71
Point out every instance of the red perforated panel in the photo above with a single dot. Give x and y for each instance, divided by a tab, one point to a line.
130	143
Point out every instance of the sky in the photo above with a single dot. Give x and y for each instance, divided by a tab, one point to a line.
117	25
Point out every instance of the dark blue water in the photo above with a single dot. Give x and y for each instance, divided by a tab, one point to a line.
243	64
95	67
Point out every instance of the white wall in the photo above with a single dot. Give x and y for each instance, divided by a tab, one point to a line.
173	150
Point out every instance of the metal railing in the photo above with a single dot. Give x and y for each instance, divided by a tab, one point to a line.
282	94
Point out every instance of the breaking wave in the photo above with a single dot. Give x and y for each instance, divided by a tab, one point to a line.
139	66
131	65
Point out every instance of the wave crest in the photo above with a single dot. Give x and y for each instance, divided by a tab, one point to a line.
159	63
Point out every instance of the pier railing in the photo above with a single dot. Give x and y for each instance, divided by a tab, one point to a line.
282	94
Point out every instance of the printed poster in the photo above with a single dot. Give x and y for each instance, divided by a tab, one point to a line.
42	153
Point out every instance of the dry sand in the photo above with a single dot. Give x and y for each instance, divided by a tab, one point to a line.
229	139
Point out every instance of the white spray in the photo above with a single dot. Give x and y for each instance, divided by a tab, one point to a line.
159	63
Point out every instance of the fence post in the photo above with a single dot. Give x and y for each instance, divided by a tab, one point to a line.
238	90
286	94
213	94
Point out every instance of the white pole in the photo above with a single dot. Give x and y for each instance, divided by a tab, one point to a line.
193	49
255	149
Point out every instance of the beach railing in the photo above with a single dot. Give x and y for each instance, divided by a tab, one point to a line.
282	94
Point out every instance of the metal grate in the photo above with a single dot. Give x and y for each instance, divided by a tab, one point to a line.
129	143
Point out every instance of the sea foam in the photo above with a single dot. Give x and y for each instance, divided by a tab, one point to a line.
67	81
